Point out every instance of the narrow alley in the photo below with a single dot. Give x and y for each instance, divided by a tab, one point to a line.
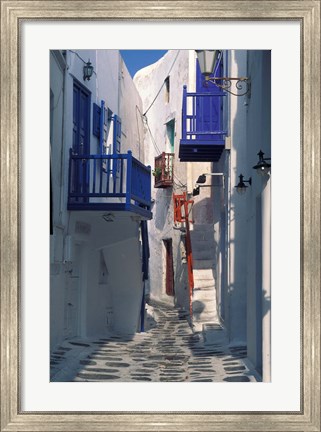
153	201
168	351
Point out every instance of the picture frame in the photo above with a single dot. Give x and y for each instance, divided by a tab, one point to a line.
13	13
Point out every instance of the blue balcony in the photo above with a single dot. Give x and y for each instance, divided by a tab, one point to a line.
109	183
203	136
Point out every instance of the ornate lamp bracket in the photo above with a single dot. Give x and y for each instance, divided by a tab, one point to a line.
235	86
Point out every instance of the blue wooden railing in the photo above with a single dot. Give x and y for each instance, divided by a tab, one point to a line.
203	134
201	116
109	182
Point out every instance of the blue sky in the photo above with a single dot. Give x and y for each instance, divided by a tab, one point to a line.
138	59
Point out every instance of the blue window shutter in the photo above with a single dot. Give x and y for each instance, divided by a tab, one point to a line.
116	143
117	135
96	120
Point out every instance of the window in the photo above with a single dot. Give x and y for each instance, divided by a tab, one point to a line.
169	267
167	90
170	136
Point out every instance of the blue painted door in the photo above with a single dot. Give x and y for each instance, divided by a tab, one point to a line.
80	140
209	109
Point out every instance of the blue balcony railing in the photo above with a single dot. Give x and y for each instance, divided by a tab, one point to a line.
109	183
203	135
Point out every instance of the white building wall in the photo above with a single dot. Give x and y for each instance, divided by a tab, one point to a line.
241	223
84	300
130	108
57	275
239	207
244	294
258	269
150	83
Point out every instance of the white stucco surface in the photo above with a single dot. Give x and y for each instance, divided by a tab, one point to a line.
89	284
158	112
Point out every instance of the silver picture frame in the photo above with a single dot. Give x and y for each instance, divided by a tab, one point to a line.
13	13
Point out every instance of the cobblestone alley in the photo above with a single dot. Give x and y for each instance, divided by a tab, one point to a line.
167	351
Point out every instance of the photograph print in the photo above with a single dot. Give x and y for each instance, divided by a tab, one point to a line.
160	221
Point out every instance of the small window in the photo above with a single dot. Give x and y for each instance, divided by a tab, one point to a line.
96	120
167	90
170	136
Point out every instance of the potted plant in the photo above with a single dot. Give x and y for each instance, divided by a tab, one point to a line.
157	171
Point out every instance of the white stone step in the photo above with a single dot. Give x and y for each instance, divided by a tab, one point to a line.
202	227
213	333
202	236
205	315
198	324
205	295
205	241
203	264
204	284
203	274
203	254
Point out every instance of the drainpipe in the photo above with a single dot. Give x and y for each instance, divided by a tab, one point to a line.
63	141
119	83
228	251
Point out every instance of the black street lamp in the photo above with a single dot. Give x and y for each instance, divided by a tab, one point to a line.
262	167
241	186
201	179
88	70
196	191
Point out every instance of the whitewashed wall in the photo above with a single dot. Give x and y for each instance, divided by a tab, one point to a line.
259	218
57	275
242	262
81	239
149	82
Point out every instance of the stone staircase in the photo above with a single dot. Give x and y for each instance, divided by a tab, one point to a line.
204	297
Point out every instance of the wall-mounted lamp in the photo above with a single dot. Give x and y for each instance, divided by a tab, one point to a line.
241	186
196	190
207	60
202	179
88	70
262	167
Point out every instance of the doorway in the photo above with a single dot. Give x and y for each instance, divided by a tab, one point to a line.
169	271
72	296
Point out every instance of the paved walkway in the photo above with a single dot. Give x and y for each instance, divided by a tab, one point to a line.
168	351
